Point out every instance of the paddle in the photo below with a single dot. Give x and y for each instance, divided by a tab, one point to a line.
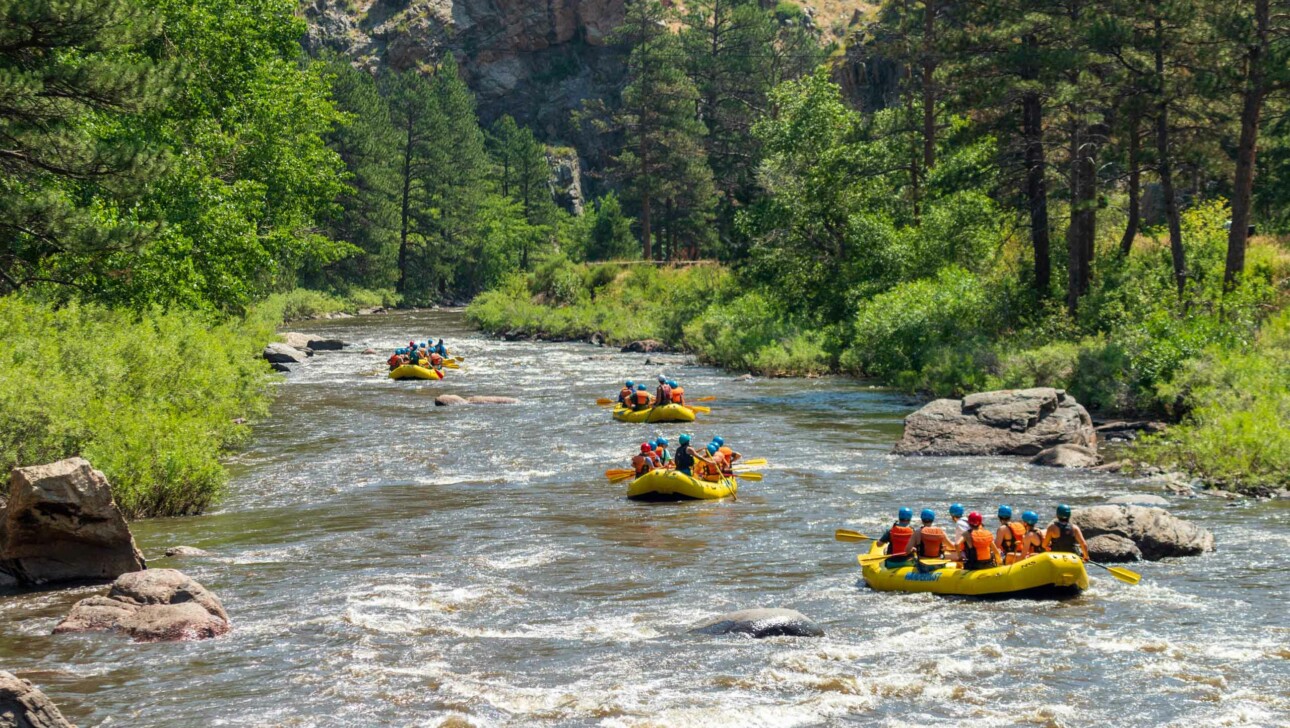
605	401
865	560
843	534
700	408
708	398
751	463
750	476
617	472
450	364
730	486
620	478
1125	575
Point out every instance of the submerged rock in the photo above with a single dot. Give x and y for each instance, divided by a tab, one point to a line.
644	346
1155	532
1113	549
60	524
158	605
1139	499
761	623
1006	422
1067	456
22	705
449	400
175	552
278	353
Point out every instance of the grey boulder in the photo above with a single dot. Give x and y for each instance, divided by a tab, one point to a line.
1140	499
61	524
1113	549
761	623
449	400
22	705
644	346
1155	532
296	340
1005	422
158	605
325	345
1067	456
175	552
279	353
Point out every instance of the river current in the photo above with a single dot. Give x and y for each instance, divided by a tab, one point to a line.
389	563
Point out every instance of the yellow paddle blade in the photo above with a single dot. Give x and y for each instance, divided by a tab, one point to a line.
1127	576
865	559
708	398
605	401
750	476
751	463
449	363
843	534
700	408
459	358
616	472
621	478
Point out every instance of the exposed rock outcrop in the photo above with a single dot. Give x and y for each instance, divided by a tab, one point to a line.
176	552
1067	456
1113	549
566	179
158	605
1006	422
644	346
1155	532
60	524
22	705
279	353
326	345
761	623
449	400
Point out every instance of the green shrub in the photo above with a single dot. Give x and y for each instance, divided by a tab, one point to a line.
752	333
149	398
301	303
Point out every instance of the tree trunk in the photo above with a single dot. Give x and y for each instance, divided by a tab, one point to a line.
1032	130
929	89
1075	273
647	248
405	214
1247	147
1165	166
1135	188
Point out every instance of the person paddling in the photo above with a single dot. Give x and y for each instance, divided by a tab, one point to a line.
1009	537
678	394
440	349
660	451
664	393
644	462
961	526
899	538
641	399
1034	538
396	360
1063	536
687	457
626	393
978	549
930	542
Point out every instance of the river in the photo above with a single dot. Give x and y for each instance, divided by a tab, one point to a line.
387	562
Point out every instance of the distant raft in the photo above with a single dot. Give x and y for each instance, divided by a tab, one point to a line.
1041	575
669	485
412	371
666	413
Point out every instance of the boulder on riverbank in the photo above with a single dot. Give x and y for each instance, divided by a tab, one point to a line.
1067	456
158	605
325	345
1112	548
22	705
1155	532
761	623
1006	422
279	353
60	524
644	346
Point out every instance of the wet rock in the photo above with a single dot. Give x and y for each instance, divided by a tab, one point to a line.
449	400
514	335
597	338
1128	431
296	340
278	353
1006	422
484	399
761	623
158	605
369	351
326	345
1156	533
1111	467
371	311
176	552
744	378
644	346
22	705
1067	456
1139	499
1113	549
281	368
61	524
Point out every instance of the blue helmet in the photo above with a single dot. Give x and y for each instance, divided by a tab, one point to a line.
905	513
956	510
928	515
713	448
652	442
684	439
630	384
719	440
1005	511
1063	511
1030	517
671	383
661	441
640	387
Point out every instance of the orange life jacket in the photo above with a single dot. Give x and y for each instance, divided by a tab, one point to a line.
642	398
898	539
1012	539
678	395
978	546
625	395
435	359
930	541
642	464
395	361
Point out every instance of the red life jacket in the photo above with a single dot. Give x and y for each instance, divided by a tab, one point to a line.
395	361
977	546
930	541
898	538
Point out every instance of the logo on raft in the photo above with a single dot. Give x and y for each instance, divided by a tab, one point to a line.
915	576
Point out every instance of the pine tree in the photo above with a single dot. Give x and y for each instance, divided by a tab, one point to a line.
420	125
523	173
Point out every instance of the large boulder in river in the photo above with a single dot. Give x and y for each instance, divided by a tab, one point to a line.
278	353
1067	456
22	705
1113	549
644	346
158	605
325	345
296	340
61	524
489	399
761	623
1006	422
449	400
1155	532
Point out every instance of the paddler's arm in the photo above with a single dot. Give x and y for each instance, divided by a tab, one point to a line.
1079	537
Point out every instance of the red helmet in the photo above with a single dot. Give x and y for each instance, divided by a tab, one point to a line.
974	519
645	448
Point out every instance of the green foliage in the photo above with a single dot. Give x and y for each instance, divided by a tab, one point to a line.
300	304
609	234
150	398
752	333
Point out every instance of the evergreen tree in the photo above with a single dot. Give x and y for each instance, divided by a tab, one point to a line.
610	234
523	174
421	126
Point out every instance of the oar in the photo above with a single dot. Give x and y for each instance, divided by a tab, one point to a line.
458	358
1125	575
700	408
708	398
843	534
865	560
605	401
449	363
751	463
750	476
616	472
730	486
620	478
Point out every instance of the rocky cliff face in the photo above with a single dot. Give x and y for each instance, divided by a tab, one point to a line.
533	59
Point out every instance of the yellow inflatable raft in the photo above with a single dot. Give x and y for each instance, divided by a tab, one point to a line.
412	371
669	485
1040	575
666	413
